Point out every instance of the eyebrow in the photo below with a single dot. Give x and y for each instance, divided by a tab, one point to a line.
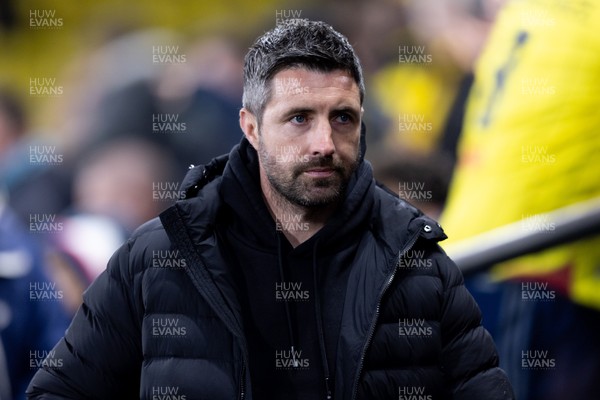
347	109
306	110
298	110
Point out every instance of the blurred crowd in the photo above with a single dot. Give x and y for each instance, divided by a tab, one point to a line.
93	148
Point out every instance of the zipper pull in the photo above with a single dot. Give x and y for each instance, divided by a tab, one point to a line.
294	361
328	395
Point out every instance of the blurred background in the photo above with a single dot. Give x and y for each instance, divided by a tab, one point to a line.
483	113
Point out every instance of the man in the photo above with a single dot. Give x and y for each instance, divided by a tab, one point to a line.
292	275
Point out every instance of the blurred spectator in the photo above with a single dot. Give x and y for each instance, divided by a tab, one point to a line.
425	76
422	91
528	147
21	177
151	84
205	93
122	184
117	179
32	316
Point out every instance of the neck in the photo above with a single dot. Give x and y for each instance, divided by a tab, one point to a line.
296	222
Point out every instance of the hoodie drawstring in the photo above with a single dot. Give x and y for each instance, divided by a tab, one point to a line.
288	313
319	318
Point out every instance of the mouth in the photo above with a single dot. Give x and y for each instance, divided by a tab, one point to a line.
322	172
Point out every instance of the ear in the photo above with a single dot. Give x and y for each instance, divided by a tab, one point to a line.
249	126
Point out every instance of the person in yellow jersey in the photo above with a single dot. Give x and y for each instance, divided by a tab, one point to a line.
529	146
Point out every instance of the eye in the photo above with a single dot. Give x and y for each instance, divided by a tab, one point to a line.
298	119
344	118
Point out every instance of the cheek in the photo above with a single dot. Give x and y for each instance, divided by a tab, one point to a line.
348	147
269	139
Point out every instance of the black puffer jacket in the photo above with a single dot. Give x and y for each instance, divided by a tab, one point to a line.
165	319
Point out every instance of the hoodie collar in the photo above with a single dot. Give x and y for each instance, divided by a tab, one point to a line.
240	190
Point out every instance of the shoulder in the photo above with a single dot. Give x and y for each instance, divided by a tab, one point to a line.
415	239
400	224
135	255
149	235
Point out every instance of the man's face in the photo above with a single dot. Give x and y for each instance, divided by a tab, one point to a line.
308	140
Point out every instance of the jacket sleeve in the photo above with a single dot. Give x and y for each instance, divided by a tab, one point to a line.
469	357
100	355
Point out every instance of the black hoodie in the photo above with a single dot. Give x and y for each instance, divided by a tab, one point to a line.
292	298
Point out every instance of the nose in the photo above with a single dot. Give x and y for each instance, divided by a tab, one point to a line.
321	139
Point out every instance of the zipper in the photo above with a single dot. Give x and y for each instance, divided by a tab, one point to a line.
242	395
374	323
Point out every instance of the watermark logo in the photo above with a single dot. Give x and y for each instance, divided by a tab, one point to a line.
537	291
167	54
167	191
537	359
290	154
167	123
169	259
290	86
413	55
537	223
413	393
413	327
44	155
537	87
413	123
290	291
44	291
537	155
289	16
415	259
538	18
167	393
414	191
291	223
168	327
44	359
44	223
44	87
44	19
290	359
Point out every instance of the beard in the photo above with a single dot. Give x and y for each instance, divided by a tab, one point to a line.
289	181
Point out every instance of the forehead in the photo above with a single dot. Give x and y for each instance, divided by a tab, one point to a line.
304	87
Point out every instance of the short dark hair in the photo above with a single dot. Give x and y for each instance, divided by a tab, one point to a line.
295	43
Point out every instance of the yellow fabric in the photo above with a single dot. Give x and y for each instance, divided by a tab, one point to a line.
416	99
531	138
